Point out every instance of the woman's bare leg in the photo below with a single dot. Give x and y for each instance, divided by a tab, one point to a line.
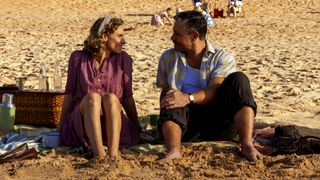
90	108
112	111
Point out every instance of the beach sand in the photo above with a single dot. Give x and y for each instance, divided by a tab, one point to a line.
277	44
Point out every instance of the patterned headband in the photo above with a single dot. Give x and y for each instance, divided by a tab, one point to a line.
105	21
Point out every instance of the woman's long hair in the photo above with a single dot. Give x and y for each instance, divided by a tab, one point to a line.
94	44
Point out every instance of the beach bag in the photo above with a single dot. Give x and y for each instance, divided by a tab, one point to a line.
287	140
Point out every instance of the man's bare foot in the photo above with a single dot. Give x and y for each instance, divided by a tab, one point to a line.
250	152
172	154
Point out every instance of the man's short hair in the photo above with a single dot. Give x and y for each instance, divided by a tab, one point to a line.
194	21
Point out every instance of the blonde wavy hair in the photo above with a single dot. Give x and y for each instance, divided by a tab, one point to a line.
94	44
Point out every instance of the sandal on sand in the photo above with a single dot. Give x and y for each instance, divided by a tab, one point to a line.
21	152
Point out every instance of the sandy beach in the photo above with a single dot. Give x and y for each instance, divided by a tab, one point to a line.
277	44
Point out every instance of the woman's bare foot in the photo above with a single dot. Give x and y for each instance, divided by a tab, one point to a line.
172	154
100	155
113	154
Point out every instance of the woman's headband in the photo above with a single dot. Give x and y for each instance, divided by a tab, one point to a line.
105	21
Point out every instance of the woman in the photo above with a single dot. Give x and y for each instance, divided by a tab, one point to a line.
159	18
99	84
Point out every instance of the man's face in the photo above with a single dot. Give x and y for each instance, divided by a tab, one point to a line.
181	39
116	40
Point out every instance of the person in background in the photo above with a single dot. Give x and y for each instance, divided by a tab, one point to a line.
236	3
99	84
206	6
179	10
196	3
235	7
206	16
159	18
203	97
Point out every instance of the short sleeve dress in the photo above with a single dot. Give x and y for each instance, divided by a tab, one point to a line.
115	76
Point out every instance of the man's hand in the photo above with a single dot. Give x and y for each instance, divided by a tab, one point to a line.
174	99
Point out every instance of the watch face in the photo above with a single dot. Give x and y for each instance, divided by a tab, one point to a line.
191	98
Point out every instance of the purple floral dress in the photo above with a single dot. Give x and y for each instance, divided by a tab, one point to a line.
114	76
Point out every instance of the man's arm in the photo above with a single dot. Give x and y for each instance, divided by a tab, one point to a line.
174	99
207	95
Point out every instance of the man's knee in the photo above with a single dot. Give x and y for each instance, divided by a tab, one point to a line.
169	124
237	82
238	77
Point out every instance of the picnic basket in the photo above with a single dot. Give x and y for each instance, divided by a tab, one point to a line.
37	108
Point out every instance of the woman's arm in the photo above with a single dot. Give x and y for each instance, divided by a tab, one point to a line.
168	19
130	108
128	102
66	109
72	79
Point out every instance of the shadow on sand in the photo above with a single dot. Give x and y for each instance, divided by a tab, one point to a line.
139	14
303	130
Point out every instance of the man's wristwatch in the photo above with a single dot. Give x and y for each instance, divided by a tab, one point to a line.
191	98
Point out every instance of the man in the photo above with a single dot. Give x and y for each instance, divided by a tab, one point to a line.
235	7
207	16
202	95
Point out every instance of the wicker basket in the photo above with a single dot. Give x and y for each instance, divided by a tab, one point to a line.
37	108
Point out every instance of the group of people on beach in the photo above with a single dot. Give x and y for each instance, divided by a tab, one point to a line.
203	95
201	6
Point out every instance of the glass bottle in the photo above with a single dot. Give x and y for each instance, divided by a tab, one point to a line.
57	78
43	79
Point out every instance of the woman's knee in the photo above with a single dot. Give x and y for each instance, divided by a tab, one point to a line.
110	99
92	99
